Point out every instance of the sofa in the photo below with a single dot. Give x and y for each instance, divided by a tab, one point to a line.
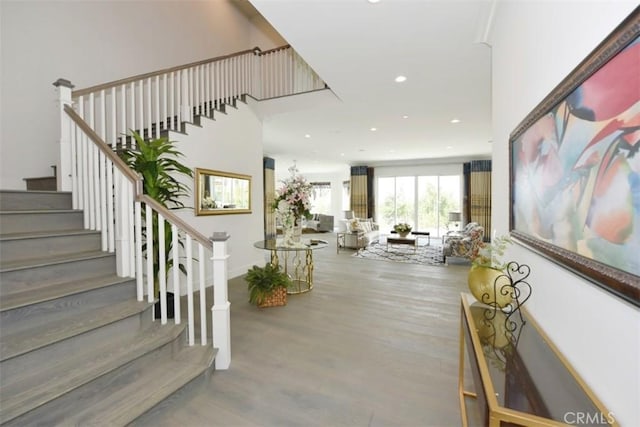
320	223
465	243
370	229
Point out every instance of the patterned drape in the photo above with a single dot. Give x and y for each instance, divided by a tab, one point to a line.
359	195
479	195
268	167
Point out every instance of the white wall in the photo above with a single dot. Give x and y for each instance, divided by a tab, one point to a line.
231	143
93	42
535	45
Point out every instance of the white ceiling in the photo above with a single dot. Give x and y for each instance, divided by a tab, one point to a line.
358	49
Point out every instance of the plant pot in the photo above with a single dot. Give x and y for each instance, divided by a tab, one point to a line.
170	310
404	234
276	298
485	283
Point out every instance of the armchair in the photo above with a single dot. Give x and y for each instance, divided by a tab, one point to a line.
463	244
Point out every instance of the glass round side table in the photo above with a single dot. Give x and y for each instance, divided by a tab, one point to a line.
297	262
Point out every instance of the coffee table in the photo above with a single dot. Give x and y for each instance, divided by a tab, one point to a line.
418	234
401	241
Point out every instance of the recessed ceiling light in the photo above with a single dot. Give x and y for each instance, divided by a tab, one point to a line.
400	79
405	117
392	151
373	129
307	135
341	154
455	121
449	147
373	1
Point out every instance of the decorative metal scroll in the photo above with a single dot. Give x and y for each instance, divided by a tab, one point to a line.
514	286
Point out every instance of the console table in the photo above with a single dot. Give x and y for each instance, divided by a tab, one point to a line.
519	375
297	262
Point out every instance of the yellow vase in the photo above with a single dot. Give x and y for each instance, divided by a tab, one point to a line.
483	286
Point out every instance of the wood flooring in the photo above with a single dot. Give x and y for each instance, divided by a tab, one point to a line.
375	343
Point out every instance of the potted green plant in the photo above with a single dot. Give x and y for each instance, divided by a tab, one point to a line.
157	161
403	229
267	285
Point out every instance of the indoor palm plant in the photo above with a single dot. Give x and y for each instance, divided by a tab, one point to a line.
156	160
267	285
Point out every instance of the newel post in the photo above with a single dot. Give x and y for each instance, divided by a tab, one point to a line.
63	89
220	312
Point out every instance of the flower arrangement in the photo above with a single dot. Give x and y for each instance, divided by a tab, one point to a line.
402	227
293	199
490	254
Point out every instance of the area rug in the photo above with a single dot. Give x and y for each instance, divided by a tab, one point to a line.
423	254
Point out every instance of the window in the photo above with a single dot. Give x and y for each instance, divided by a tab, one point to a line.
346	195
321	199
422	201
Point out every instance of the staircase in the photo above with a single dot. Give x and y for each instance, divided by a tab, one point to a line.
76	347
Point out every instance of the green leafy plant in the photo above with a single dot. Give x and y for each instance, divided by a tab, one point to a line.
402	227
157	161
262	281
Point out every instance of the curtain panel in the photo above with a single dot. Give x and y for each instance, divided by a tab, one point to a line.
269	175
359	195
479	194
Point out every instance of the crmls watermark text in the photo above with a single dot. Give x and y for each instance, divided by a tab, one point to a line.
589	418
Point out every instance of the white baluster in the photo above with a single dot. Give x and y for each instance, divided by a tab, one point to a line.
175	249
149	110
157	106
140	106
75	194
149	240
172	100
162	273
139	271
190	307
129	188
165	96
102	170
203	296
132	101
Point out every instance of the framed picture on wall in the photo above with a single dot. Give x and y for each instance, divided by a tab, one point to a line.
575	168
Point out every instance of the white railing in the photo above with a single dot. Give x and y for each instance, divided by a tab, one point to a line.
92	123
162	100
98	170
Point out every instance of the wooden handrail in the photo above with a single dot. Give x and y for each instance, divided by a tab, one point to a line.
275	49
134	178
111	155
104	86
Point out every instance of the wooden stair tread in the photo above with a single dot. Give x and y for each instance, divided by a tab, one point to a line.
38	211
159	381
12	345
53	259
52	381
38	234
35	295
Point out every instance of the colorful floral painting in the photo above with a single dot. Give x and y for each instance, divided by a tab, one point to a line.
575	170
